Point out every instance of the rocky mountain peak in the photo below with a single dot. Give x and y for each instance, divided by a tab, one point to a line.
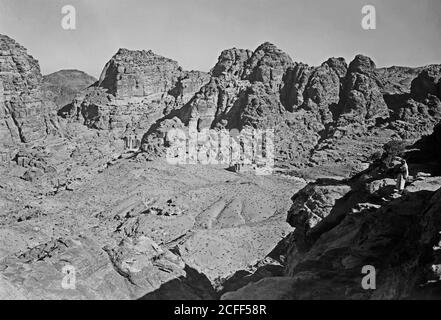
7	43
362	101
136	87
267	65
231	61
361	64
16	58
138	73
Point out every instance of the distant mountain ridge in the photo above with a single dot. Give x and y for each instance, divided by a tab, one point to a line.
62	86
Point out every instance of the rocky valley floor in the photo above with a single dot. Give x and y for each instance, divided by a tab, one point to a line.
137	225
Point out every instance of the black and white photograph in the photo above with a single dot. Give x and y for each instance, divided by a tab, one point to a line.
230	152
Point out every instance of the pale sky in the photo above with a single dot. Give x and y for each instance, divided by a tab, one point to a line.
194	32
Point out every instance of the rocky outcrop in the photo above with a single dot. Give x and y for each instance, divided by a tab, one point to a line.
244	91
344	226
253	98
62	86
324	88
326	119
135	89
138	73
231	62
145	74
24	115
362	100
130	269
357	132
428	82
267	64
294	84
421	110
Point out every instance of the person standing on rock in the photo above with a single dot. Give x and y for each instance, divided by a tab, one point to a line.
403	174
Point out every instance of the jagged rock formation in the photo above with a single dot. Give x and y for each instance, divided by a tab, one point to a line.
62	86
253	89
323	88
134	90
137	73
326	119
24	115
397	113
362	101
422	110
145	74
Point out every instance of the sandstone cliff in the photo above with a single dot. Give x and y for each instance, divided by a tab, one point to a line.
327	119
25	116
134	90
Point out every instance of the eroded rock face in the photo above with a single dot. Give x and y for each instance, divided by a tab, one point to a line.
24	115
243	91
428	82
395	239
145	74
153	144
326	119
231	61
295	81
138	261
239	81
313	210
138	73
130	269
324	88
362	99
267	65
135	89
45	264
420	110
